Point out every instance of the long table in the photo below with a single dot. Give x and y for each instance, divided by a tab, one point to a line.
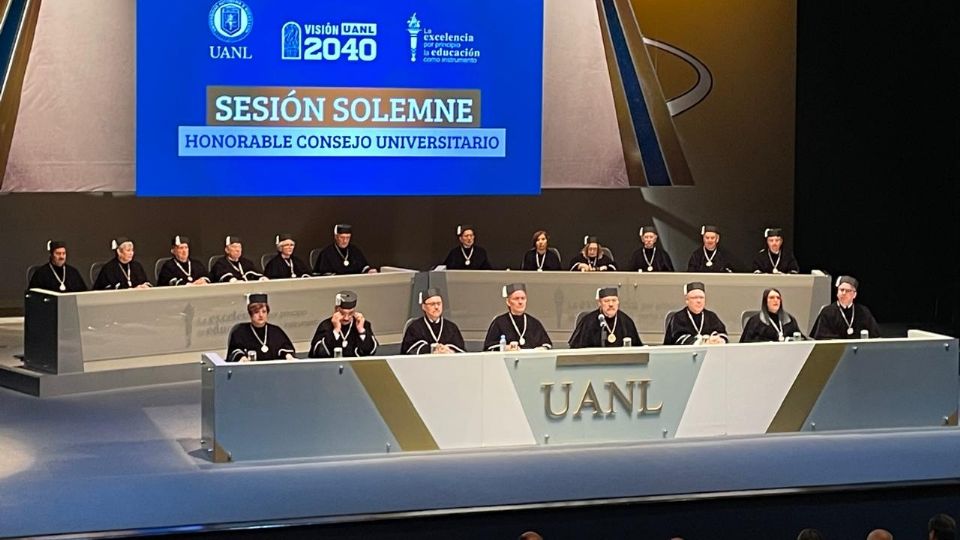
400	404
148	336
556	298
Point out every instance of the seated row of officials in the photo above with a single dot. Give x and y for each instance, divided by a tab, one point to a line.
343	257
348	333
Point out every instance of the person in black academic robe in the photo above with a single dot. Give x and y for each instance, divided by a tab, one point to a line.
181	269
709	257
342	257
844	319
606	326
540	257
774	259
772	323
57	275
592	258
421	334
651	257
347	328
258	340
233	266
286	265
467	255
121	272
520	329
694	324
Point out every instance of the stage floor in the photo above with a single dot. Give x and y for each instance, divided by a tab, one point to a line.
131	459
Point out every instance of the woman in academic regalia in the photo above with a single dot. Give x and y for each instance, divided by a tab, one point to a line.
772	323
592	258
258	340
541	257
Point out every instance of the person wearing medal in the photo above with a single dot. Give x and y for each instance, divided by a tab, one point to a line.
607	326
341	257
772	322
844	319
233	266
286	265
180	269
121	272
592	258
258	340
432	334
775	259
347	329
520	329
709	257
467	255
695	324
540	257
651	257
57	275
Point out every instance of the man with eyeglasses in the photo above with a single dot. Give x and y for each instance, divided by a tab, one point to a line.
432	334
844	319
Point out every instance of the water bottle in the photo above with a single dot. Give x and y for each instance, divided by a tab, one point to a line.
627	342
503	343
338	352
864	334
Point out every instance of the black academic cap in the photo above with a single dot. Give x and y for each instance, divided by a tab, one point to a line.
604	292
512	288
179	239
119	241
55	244
282	237
256	298
429	293
767	233
709	228
590	240
648	228
464	228
849	280
693	286
346	299
232	240
342	228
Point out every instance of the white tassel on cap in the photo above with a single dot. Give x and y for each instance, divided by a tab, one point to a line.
113	244
585	238
597	295
504	291
49	242
703	230
176	240
766	232
459	230
226	241
420	298
339	299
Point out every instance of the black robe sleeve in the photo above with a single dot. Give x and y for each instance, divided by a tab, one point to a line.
661	261
603	263
680	331
172	274
551	261
243	270
417	339
325	341
787	264
534	336
242	342
478	259
698	262
277	268
330	262
756	331
43	278
830	323
112	277
590	333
